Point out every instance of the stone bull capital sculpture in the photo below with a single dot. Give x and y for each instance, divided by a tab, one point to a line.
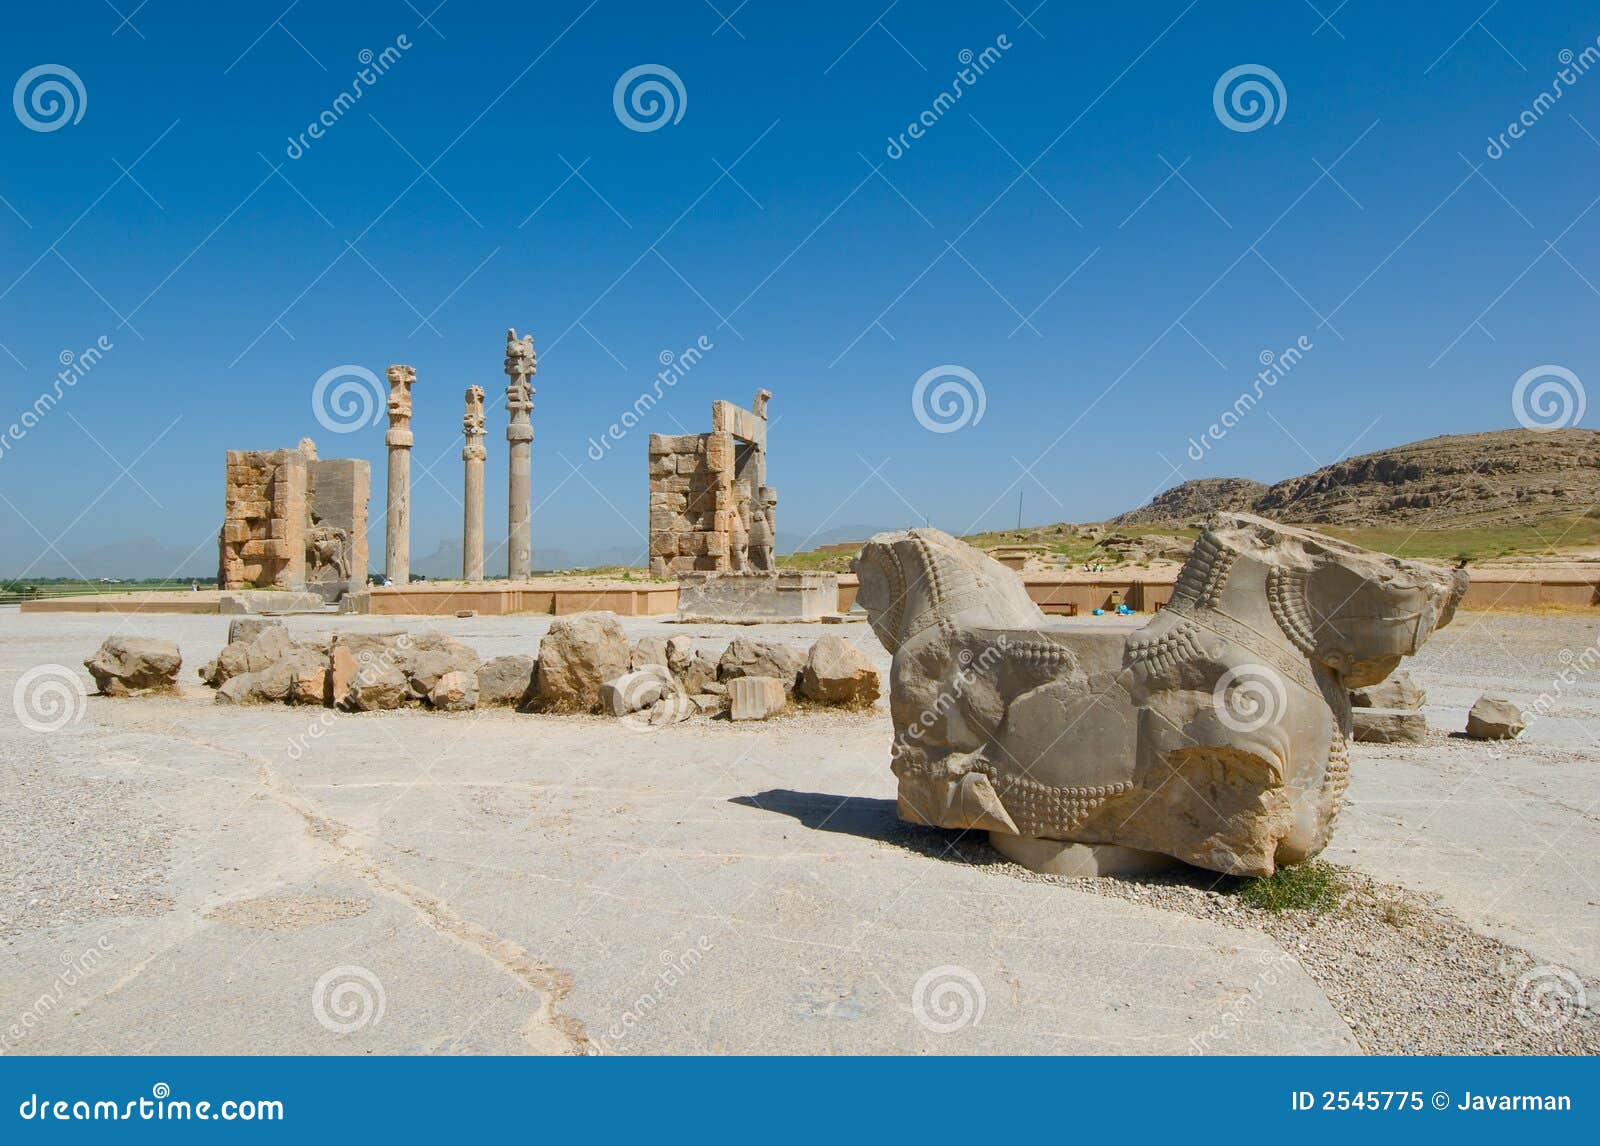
1216	734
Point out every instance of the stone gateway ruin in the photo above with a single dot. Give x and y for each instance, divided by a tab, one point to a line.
713	524
293	521
711	510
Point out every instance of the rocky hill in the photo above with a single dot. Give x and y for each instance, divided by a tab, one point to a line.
1501	477
1195	498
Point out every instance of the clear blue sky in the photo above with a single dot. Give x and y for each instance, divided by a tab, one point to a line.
1354	220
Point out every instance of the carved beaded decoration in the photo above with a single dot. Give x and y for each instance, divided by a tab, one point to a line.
1041	810
1286	597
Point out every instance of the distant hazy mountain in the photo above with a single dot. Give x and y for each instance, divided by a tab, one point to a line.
127	559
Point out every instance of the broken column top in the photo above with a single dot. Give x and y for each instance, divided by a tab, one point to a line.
521	362
472	425
746	425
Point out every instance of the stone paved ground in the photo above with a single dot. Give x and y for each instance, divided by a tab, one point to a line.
180	877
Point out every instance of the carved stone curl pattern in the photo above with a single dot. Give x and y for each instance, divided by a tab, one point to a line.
1214	734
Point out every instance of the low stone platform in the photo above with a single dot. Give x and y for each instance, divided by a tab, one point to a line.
785	595
500	598
206	602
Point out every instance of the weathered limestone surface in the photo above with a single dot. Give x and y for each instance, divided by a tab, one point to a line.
755	697
745	657
1495	718
1400	690
1388	726
507	680
774	595
129	666
638	689
577	655
836	672
399	439
472	455
292	521
1217	734
455	691
710	507
521	365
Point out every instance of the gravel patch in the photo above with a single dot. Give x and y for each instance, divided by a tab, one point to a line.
1406	974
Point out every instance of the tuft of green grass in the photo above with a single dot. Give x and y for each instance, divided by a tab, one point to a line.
1317	887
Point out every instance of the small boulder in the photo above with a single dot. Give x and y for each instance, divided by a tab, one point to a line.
241	689
671	709
243	630
711	702
700	674
1494	718
455	691
676	653
578	655
127	666
299	672
746	657
837	672
376	685
1388	726
1400	691
637	690
755	697
507	680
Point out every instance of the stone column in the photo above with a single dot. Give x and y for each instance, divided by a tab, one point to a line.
521	364
397	535
472	502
